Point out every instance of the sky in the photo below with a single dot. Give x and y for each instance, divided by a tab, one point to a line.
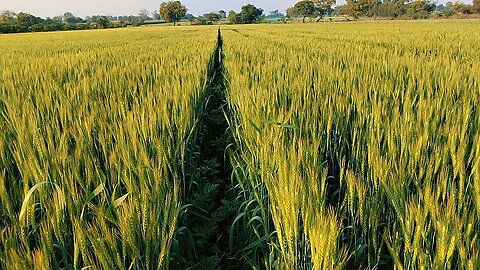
82	8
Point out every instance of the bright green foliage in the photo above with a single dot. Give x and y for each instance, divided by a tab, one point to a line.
93	133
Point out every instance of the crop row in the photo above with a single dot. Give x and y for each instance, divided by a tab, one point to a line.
358	145
350	146
94	128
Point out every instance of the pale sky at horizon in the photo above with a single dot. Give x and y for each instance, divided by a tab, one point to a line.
51	8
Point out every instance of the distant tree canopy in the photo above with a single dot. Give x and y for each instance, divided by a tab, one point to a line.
156	15
172	11
143	14
213	17
231	16
222	14
324	7
311	9
419	9
416	9
102	22
10	22
461	8
68	17
390	9
405	9
26	19
249	14
7	16
304	8
476	6
357	8
275	14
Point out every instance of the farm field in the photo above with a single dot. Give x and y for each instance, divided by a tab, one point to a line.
94	131
299	146
358	143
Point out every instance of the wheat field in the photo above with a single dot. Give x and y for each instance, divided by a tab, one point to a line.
345	146
94	129
358	143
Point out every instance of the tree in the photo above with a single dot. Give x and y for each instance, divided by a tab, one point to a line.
155	15
290	12
7	16
69	18
212	17
62	18
232	16
275	14
304	8
390	8
324	7
27	20
172	11
357	8
249	14
143	14
476	6
460	7
443	11
222	14
102	22
420	9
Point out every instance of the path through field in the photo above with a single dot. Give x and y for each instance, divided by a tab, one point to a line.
299	146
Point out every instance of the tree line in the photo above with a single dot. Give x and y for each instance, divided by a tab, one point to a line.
393	9
172	12
175	11
11	22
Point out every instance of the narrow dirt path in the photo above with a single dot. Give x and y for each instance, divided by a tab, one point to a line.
210	200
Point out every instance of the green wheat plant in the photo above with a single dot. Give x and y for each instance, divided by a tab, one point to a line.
94	128
359	146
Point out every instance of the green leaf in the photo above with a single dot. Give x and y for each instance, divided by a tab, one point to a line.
255	126
119	201
255	244
257	218
232	227
90	197
278	123
95	192
27	199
